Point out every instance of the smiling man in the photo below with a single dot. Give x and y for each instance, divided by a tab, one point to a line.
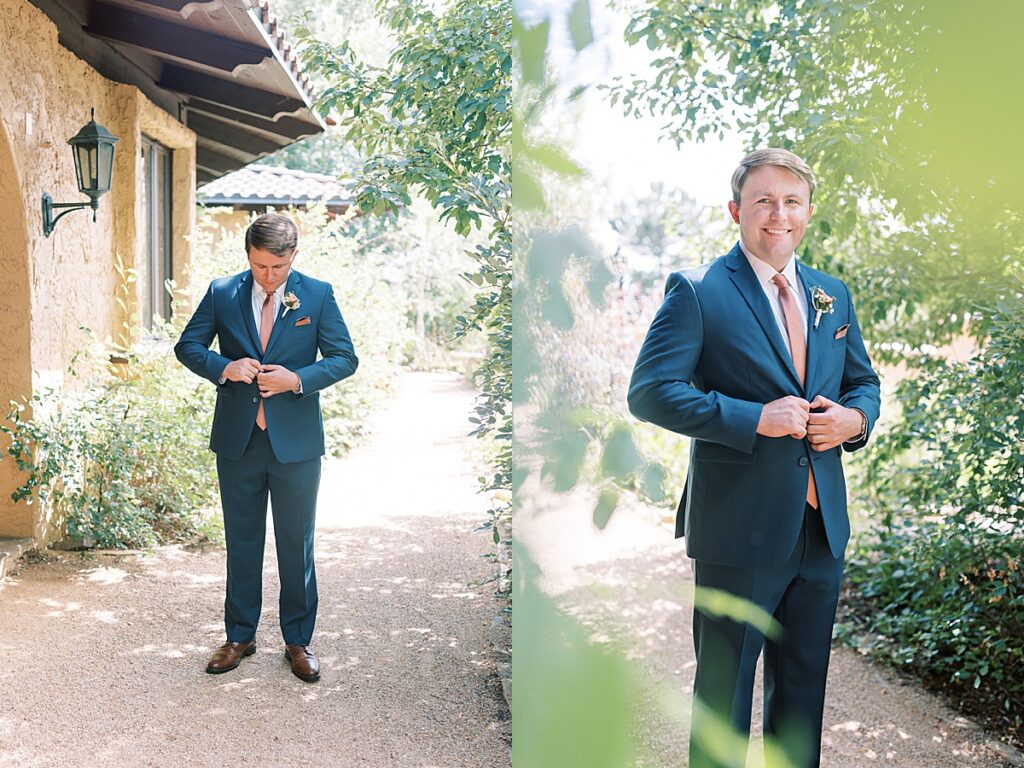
760	360
270	321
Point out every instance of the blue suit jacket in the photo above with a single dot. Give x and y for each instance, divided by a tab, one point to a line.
712	358
294	422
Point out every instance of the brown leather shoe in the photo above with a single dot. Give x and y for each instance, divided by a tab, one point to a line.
228	656
303	662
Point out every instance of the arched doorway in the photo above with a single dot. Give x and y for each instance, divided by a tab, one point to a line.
16	519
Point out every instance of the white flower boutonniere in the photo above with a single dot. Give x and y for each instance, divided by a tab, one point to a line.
823	303
290	301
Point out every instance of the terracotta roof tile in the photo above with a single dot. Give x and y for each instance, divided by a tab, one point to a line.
264	185
288	53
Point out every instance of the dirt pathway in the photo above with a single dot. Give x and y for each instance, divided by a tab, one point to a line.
630	584
101	659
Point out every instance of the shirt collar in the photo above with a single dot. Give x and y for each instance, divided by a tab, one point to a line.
765	271
259	293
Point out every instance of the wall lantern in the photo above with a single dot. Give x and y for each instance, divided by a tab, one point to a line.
93	147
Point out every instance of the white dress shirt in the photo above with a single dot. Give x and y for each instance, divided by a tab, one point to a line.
765	273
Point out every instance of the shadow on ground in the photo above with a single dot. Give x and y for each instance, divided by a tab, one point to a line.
102	658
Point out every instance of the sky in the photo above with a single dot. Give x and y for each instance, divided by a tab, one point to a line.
627	150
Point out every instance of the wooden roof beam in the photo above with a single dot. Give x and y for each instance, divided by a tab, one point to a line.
252	100
163	38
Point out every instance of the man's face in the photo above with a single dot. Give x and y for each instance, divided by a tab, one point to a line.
773	212
268	270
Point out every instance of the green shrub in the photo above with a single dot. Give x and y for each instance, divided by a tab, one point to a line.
122	456
938	585
945	600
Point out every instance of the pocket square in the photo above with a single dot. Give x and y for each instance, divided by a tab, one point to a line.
303	320
842	331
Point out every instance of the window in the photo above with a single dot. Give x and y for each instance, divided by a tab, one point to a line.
155	268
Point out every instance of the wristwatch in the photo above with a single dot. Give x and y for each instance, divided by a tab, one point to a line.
863	427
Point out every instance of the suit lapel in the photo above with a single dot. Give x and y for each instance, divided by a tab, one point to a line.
245	307
746	282
282	321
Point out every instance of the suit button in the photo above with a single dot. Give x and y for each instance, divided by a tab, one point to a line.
803	461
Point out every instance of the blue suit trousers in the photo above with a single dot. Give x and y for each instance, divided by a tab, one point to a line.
245	484
801	595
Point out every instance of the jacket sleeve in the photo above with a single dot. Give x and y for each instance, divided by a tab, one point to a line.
339	359
193	348
661	390
859	387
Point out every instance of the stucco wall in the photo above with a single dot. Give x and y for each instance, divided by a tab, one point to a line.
15	339
54	285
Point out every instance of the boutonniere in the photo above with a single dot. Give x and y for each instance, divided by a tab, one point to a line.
822	303
290	301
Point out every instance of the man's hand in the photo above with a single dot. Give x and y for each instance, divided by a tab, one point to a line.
275	379
833	426
785	416
244	369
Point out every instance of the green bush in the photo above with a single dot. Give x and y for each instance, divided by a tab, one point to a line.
944	600
940	579
123	459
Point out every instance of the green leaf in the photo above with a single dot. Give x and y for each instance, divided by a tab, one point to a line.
556	309
579	24
565	462
606	503
718	603
620	457
533	44
555	159
526	192
652	482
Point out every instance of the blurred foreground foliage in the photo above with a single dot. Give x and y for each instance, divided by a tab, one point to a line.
575	698
570	694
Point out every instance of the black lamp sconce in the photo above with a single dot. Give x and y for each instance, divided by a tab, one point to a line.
93	148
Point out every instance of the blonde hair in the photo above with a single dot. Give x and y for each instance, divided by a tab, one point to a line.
782	158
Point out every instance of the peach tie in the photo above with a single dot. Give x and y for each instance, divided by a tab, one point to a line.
798	350
266	326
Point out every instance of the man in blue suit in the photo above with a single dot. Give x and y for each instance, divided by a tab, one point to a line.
268	431
760	360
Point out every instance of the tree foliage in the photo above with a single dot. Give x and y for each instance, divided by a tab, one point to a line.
435	120
919	220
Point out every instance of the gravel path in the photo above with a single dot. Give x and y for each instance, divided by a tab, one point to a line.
630	586
102	658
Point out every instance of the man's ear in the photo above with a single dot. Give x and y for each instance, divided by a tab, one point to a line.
734	209
810	210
